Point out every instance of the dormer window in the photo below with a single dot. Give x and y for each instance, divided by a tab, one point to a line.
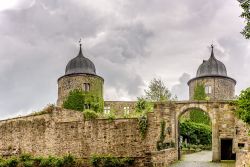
86	87
208	89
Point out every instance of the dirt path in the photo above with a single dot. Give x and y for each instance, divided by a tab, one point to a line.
201	159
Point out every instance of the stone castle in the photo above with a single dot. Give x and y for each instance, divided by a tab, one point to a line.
62	131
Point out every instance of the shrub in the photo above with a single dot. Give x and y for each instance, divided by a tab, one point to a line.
142	105
90	114
196	133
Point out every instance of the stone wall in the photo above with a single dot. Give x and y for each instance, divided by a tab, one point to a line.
223	88
70	82
242	159
120	108
163	158
64	131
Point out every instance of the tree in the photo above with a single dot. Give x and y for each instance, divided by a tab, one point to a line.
243	105
245	5
157	91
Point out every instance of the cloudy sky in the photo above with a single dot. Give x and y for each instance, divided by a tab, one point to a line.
130	42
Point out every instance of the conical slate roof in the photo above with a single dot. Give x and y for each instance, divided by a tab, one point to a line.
211	67
80	65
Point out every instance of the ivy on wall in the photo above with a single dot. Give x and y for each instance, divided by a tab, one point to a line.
197	115
199	92
160	144
143	125
80	100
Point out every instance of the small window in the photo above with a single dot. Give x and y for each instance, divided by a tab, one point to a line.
86	87
126	110
106	109
208	89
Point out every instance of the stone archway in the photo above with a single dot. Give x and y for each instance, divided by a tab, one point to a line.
212	115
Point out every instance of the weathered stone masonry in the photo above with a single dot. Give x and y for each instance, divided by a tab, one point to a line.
66	131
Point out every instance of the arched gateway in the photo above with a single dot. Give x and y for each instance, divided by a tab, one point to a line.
223	121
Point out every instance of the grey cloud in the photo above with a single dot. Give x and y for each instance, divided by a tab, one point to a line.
181	89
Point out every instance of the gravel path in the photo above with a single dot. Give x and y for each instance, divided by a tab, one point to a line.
201	159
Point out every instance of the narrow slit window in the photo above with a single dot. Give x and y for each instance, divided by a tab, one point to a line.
208	89
126	110
86	87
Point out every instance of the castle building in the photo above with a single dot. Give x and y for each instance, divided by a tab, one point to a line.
81	74
212	73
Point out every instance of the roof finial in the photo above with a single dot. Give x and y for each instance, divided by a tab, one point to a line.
80	44
212	51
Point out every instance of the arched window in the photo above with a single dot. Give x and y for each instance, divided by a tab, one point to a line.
208	89
86	87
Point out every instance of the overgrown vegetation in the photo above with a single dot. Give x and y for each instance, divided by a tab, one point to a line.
160	145
243	105
79	100
143	125
90	114
196	133
26	160
111	161
143	106
199	92
245	5
46	110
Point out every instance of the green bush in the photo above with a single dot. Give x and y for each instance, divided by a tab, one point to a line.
110	161
27	160
196	133
143	106
90	114
243	105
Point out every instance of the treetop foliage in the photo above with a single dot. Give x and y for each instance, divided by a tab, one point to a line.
157	91
245	5
243	105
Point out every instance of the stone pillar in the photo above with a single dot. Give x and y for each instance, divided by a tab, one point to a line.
215	134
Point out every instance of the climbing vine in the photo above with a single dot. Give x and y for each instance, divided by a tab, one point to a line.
143	106
80	100
143	125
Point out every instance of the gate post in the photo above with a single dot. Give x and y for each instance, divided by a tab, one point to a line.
215	134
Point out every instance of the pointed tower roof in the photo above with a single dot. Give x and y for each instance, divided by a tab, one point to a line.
211	67
80	65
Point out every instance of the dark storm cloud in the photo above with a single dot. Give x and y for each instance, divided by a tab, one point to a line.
130	43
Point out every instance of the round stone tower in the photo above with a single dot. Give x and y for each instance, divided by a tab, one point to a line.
213	75
80	73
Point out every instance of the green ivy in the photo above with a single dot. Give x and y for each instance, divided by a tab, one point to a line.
199	92
196	133
243	105
110	161
160	144
78	99
143	125
90	114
